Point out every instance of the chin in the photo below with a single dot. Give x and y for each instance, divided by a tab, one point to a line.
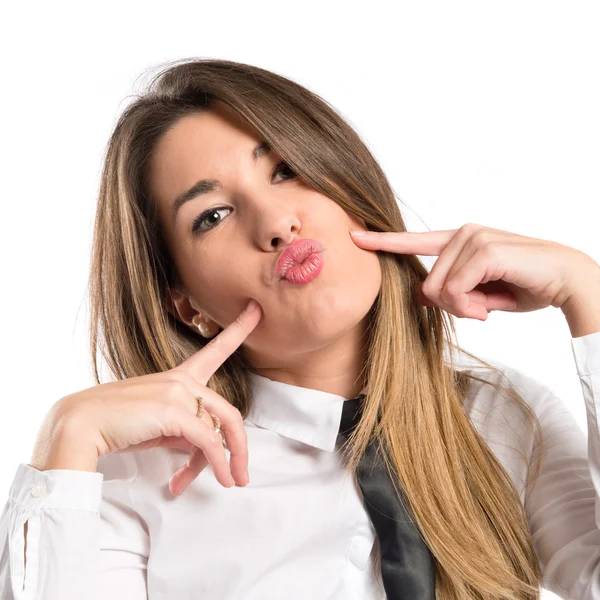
318	332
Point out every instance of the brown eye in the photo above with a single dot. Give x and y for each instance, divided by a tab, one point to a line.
209	216
288	168
211	212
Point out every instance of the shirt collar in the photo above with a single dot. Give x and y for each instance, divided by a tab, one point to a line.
302	414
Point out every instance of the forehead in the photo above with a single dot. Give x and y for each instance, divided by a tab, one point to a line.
209	128
201	145
211	136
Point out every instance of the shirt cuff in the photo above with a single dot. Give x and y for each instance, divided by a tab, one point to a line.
586	350
57	488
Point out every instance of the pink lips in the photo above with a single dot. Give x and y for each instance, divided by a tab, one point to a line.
301	261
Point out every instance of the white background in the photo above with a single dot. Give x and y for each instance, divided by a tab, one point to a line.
478	112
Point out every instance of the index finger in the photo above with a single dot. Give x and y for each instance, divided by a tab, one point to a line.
426	243
208	359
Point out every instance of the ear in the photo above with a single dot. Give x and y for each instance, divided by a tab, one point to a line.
180	307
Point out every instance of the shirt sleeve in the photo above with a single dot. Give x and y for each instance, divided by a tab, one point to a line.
563	507
84	539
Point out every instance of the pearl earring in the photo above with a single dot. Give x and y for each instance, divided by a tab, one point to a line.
203	326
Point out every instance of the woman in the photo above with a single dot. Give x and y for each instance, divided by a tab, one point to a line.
226	185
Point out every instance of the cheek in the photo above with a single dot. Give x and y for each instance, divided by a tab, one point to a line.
218	284
365	273
352	283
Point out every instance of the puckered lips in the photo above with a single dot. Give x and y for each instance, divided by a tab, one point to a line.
295	254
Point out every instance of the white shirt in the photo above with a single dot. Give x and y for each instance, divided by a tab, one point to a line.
297	530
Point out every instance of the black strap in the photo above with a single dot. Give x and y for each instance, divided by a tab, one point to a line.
407	565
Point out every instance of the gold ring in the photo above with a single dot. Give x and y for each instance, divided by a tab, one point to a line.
216	421
217	424
200	406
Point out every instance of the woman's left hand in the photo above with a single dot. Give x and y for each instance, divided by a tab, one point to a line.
481	269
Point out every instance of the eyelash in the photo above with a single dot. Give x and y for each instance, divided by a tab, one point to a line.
197	222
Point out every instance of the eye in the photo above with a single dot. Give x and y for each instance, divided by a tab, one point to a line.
289	169
196	227
211	212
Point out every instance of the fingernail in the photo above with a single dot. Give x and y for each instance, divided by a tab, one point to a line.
244	480
251	306
230	481
358	232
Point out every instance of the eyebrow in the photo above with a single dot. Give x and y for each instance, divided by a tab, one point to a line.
204	186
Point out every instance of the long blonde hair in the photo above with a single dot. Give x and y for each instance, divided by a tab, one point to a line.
463	500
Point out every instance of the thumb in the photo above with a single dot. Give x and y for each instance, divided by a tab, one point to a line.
420	297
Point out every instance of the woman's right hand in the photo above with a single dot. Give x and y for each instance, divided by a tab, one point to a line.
160	410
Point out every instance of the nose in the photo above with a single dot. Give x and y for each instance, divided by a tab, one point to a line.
277	223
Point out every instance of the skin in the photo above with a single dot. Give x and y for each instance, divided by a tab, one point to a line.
309	335
480	269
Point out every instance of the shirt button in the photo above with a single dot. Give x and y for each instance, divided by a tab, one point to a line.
39	490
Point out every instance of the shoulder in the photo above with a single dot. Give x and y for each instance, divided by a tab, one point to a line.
486	391
507	427
504	422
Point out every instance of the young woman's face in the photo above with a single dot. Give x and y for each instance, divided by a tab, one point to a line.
260	209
